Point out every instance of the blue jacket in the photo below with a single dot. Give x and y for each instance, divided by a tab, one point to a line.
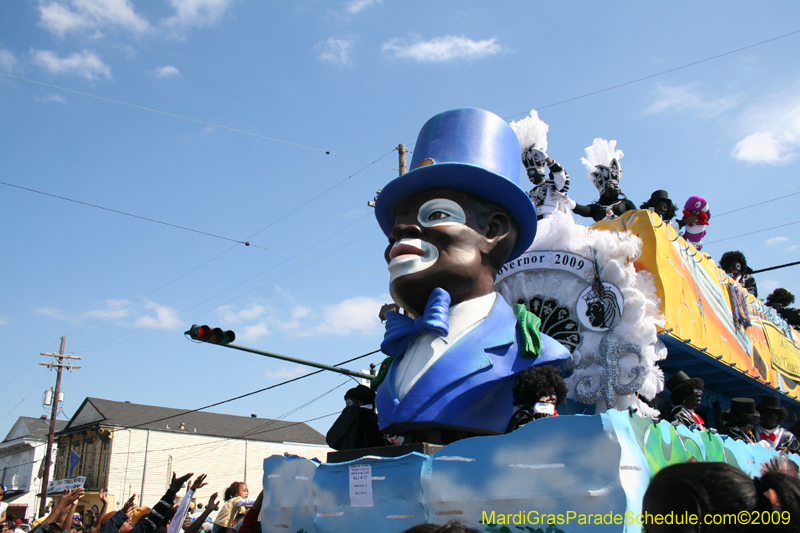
470	386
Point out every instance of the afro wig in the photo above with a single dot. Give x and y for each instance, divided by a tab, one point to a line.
538	381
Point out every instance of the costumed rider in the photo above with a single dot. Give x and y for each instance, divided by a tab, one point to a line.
780	299
740	419
537	392
769	432
735	265
549	193
687	393
452	222
602	162
661	204
357	426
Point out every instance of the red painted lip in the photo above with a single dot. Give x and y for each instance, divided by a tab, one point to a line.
404	249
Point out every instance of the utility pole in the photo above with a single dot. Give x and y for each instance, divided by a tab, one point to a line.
402	151
59	366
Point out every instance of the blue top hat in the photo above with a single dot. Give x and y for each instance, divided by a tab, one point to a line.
468	150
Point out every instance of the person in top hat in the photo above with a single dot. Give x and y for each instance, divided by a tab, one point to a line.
357	426
602	162
661	204
452	222
769	431
740	419
687	393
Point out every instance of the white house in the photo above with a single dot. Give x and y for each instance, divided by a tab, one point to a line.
130	449
21	456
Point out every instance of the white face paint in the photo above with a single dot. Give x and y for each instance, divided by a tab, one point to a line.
441	212
410	256
413	255
544	407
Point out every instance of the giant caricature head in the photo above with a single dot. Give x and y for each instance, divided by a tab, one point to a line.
459	215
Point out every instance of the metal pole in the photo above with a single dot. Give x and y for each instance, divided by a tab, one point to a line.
301	361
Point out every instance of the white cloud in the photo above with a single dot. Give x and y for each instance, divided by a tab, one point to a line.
51	98
357	315
792	248
686	98
120	308
62	17
440	49
7	60
58	314
356	6
336	50
3	321
776	240
770	130
196	12
86	64
165	317
767	147
166	71
254	332
286	372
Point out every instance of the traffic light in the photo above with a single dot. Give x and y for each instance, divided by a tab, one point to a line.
214	336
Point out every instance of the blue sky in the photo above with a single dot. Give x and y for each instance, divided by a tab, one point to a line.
217	116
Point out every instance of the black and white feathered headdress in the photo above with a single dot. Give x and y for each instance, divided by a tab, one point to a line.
602	162
532	134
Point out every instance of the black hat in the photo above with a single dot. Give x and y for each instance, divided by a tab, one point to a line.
743	406
770	402
362	394
681	377
659	195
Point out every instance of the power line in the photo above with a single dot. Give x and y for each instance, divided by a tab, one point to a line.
246	243
79	348
658	74
754	232
326	152
775	267
754	205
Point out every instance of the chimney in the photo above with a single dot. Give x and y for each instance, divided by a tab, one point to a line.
43	417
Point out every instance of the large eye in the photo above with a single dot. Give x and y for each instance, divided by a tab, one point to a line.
440	212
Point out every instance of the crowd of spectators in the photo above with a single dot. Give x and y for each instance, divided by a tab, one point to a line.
171	514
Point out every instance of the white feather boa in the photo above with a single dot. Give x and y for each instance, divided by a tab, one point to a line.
636	329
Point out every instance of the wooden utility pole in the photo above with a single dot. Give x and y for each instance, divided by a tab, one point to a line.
402	151
59	366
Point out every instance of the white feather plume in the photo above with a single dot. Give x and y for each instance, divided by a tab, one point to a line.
531	130
601	152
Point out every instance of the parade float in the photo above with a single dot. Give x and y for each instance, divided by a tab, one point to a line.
628	302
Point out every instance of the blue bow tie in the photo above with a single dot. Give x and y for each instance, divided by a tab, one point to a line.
401	330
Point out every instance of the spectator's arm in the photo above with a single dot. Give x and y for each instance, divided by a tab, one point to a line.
103	498
180	514
212	506
64	502
250	522
159	514
245	502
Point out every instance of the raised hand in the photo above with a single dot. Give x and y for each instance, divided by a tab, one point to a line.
199	482
129	505
212	504
177	482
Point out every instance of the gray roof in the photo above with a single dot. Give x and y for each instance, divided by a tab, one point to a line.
95	412
38	427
